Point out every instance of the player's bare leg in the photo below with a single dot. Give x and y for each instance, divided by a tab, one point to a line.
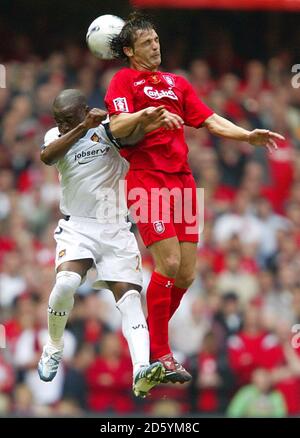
184	278
167	258
185	275
134	327
61	301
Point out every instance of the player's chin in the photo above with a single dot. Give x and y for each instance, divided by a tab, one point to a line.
156	61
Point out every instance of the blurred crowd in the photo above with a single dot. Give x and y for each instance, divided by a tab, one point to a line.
236	329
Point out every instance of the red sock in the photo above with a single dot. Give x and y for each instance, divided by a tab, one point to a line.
158	303
176	296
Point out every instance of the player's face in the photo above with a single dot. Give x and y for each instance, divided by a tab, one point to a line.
146	50
68	118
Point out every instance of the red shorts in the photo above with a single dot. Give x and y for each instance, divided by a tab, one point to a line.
163	205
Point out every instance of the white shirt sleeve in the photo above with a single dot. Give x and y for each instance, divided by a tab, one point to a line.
50	136
105	132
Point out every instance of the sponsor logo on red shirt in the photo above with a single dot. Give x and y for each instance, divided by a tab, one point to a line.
159	94
141	82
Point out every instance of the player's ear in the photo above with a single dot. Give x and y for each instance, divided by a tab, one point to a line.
128	51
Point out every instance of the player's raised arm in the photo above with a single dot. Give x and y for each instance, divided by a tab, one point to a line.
56	149
221	127
73	118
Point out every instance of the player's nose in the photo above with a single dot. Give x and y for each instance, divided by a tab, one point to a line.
155	46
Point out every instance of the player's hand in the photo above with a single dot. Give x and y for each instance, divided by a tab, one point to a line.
94	117
171	120
266	138
151	118
158	117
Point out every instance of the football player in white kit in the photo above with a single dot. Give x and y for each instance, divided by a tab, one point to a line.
86	157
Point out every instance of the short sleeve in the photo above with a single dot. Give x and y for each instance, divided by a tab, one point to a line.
119	97
195	111
104	131
50	136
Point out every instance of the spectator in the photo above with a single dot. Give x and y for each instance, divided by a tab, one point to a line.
234	278
75	387
228	321
214	378
258	399
109	378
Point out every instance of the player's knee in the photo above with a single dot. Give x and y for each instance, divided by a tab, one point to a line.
67	283
62	295
121	288
170	265
185	279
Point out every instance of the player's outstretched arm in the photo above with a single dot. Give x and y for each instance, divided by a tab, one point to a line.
221	127
59	147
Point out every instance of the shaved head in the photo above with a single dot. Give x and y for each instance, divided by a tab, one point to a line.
71	99
69	109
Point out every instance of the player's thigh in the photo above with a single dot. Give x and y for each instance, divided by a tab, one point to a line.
120	260
79	266
75	247
187	220
156	232
150	212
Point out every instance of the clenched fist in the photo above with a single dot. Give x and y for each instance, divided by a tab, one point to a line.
94	117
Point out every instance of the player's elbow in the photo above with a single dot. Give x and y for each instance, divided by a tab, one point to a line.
214	129
216	125
45	158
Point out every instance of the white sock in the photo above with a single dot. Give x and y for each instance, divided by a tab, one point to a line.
61	302
134	328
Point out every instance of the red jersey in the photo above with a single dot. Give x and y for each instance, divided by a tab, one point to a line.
165	150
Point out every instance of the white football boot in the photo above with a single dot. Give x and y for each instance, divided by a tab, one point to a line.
49	362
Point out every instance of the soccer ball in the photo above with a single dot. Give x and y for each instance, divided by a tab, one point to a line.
100	32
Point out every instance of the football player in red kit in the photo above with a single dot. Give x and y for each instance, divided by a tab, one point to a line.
160	161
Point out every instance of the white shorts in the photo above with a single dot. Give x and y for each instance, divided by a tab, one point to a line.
112	247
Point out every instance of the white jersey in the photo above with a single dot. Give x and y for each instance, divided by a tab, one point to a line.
90	175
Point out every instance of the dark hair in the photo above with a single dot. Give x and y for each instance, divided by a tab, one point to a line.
126	38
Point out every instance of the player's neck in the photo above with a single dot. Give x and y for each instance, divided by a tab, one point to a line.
142	67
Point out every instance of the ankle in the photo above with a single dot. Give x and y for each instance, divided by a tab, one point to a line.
138	366
56	344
